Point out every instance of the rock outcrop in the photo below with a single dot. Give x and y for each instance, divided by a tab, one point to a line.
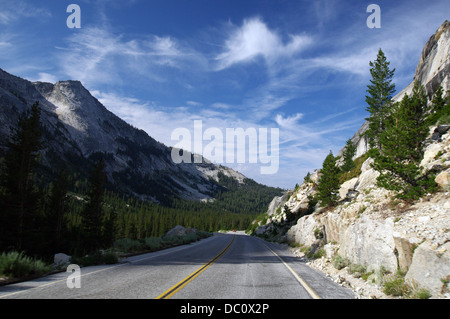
180	231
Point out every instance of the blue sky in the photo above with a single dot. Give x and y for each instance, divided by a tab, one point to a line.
299	66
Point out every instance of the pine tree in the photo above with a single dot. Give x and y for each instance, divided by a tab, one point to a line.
440	111
92	216
380	93
290	215
348	154
328	182
401	144
21	197
56	213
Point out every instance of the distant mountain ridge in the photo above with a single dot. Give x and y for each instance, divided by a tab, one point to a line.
77	128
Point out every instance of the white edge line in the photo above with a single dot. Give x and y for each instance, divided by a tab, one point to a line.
311	292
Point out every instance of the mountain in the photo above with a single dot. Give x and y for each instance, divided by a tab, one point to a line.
371	241
78	130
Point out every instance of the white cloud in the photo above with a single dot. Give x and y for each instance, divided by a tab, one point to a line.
288	122
47	77
254	39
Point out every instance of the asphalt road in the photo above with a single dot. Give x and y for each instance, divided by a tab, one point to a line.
224	266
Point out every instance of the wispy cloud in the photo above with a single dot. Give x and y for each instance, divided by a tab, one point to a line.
13	10
98	56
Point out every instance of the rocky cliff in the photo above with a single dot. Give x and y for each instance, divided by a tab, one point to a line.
78	129
369	229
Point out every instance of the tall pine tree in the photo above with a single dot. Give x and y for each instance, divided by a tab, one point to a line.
348	154
56	214
380	93
401	149
20	198
93	214
328	182
440	111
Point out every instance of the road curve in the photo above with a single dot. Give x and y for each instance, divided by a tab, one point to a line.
224	266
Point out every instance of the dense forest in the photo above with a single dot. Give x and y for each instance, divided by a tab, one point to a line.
78	214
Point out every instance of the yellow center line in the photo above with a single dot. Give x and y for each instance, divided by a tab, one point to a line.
177	287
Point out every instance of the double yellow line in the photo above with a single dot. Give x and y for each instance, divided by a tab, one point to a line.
177	287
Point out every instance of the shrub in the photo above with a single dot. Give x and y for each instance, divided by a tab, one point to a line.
127	245
421	293
340	262
17	265
319	253
153	243
396	287
353	268
110	257
172	240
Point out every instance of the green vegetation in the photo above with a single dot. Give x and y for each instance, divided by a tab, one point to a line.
397	131
396	286
393	284
401	147
329	182
440	109
380	92
349	153
340	262
19	203
355	171
17	265
126	247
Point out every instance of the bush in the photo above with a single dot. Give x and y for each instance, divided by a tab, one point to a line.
98	258
110	257
340	262
319	253
172	241
421	293
17	265
127	245
396	287
153	243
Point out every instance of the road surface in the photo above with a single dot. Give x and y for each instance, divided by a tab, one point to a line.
224	266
